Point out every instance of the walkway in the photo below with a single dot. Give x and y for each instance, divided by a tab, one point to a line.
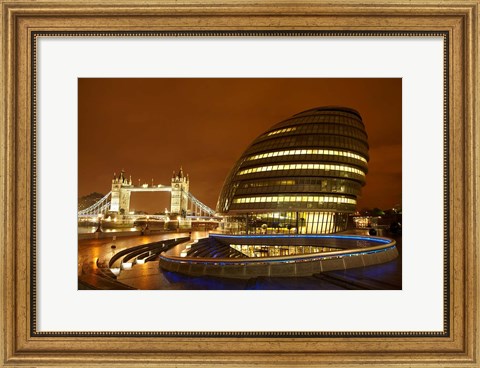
149	276
93	252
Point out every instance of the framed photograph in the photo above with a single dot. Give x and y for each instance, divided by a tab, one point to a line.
239	184
293	214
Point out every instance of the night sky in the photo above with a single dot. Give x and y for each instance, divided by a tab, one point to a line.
150	127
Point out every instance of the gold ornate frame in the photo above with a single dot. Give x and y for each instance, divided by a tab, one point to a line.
21	20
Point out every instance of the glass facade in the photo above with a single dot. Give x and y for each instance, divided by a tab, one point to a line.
279	250
286	223
302	176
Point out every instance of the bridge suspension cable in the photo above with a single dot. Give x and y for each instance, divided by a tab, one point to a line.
203	208
101	206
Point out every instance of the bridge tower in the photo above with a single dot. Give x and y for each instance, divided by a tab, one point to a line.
179	196
120	202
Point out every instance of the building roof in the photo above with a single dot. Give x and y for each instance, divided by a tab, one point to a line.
315	160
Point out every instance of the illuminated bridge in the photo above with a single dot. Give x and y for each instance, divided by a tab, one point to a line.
117	201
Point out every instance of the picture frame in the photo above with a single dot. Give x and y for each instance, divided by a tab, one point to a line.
21	20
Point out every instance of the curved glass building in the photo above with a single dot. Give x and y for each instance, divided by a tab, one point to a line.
302	176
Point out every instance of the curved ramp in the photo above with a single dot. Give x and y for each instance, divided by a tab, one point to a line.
364	251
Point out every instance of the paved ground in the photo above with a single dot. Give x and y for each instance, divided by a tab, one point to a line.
149	276
93	252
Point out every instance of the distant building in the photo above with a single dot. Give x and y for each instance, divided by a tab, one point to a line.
179	197
120	202
365	222
302	176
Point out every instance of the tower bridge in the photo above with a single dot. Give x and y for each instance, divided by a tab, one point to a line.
117	201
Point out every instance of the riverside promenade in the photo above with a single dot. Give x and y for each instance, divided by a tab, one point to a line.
94	255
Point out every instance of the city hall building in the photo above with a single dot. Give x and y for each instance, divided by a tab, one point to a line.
302	176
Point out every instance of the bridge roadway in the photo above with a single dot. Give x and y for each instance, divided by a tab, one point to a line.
149	276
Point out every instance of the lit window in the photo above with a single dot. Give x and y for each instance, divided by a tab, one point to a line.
307	152
302	166
279	131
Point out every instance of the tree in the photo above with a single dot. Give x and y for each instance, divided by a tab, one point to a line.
89	200
377	212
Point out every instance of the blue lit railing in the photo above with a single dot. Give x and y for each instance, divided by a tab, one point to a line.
306	236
